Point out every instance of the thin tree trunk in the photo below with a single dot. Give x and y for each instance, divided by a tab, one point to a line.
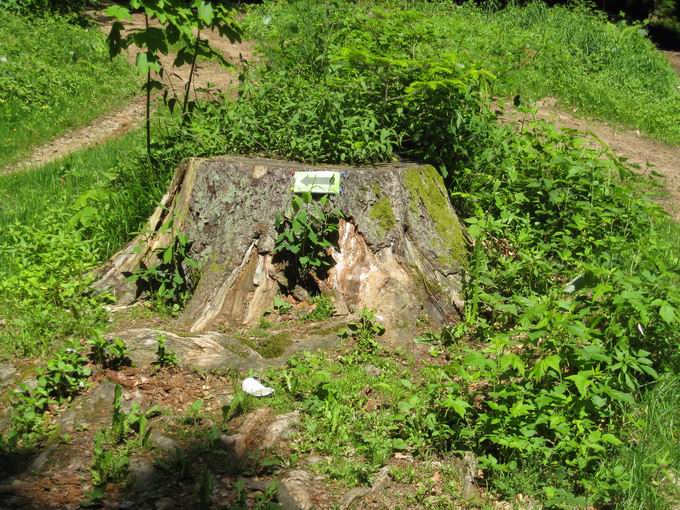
148	100
191	76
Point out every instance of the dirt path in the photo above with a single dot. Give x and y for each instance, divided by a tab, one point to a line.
209	75
674	59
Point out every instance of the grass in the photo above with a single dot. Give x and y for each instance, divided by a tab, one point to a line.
24	196
60	221
128	190
604	70
54	75
653	454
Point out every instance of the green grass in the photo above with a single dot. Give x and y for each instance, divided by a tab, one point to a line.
54	76
24	196
652	456
604	70
58	222
610	71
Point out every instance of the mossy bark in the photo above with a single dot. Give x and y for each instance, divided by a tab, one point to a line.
401	247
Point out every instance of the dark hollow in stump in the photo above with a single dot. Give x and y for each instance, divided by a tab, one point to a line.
401	247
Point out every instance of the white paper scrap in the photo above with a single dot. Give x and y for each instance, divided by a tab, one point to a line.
255	388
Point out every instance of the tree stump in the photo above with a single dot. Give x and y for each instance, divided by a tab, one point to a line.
401	248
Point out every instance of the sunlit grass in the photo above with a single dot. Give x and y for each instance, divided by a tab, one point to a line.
54	76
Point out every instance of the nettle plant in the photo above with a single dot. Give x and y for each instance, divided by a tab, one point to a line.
365	331
63	377
307	232
178	25
169	281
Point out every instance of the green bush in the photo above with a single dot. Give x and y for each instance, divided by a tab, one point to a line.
45	286
605	70
59	222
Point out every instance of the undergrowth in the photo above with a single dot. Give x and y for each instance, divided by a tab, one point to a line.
572	299
606	70
59	222
572	292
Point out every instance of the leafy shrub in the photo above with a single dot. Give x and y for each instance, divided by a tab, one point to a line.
112	446
169	282
365	330
164	356
44	290
323	309
111	354
608	70
281	306
306	233
63	377
177	26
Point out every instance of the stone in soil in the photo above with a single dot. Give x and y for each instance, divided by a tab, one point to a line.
353	497
8	374
259	431
95	409
213	350
295	491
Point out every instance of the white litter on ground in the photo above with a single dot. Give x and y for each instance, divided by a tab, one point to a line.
254	387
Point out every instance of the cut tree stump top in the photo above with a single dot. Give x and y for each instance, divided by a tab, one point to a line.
401	246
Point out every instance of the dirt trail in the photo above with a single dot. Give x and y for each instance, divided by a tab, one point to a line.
208	75
674	59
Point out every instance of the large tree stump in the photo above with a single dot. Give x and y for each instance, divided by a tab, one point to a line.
401	248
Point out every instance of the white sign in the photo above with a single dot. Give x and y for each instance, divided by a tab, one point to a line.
324	181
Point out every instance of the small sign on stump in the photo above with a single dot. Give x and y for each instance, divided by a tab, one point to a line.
323	182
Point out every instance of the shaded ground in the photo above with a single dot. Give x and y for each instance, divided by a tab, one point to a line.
209	76
247	452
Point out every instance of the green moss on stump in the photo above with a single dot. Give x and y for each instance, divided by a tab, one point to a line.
270	346
426	189
382	213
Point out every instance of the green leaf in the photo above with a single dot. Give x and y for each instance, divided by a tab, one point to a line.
585	280
459	406
167	255
612	439
582	381
205	12
142	63
119	12
667	313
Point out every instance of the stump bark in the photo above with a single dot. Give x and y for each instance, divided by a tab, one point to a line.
401	248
